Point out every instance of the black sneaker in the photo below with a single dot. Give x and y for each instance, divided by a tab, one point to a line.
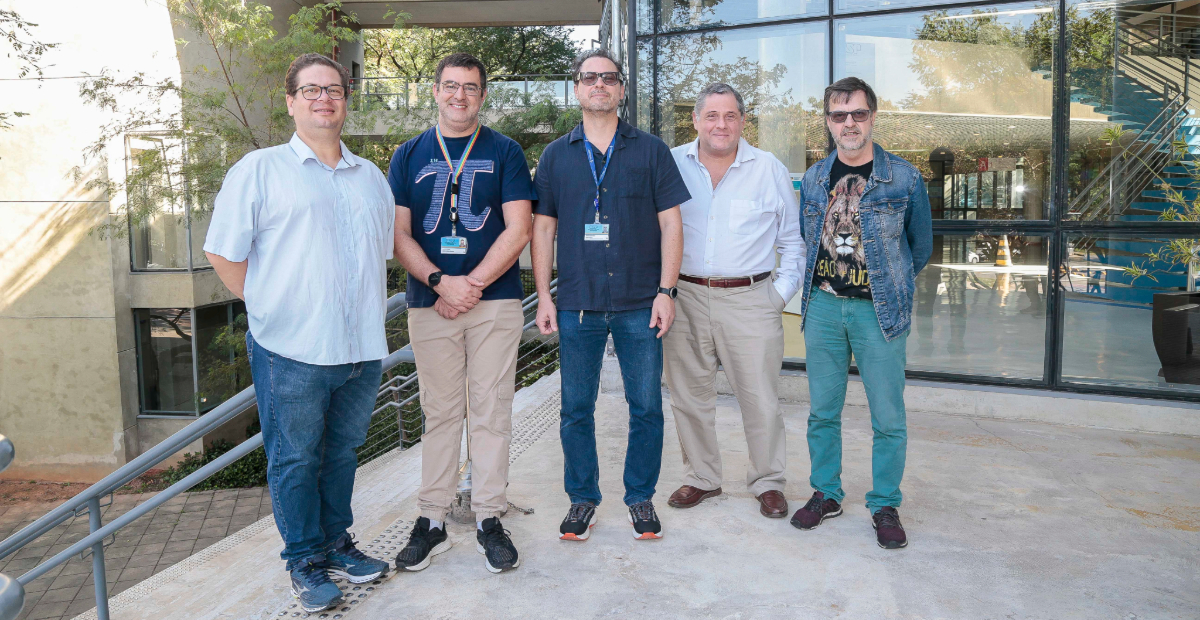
645	521
816	511
579	522
889	533
423	544
493	542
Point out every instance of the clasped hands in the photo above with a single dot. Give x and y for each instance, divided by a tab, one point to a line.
457	295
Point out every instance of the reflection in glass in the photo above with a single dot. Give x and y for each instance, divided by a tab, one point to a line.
780	71
224	368
1131	315
1129	77
645	86
684	14
165	360
976	312
965	95
159	238
857	6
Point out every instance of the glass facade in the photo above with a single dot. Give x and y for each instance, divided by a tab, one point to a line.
1057	144
164	234
190	360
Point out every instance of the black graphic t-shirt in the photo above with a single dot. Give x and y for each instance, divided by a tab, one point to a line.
841	266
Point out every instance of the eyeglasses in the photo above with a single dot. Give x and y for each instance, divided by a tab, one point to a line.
860	116
451	87
611	78
312	92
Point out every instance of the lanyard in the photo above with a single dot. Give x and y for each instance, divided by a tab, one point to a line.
592	162
455	173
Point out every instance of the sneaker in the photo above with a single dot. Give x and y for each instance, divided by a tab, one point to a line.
815	511
347	562
311	584
493	542
889	533
579	522
423	543
646	525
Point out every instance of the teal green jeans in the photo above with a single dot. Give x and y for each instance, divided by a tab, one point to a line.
835	327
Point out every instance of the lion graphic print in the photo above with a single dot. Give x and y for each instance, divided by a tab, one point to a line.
841	267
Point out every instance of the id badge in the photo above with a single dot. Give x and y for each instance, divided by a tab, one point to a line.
454	245
595	232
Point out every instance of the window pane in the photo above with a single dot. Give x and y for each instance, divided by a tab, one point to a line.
971	315
965	95
645	86
1128	329
858	6
165	360
645	16
221	353
159	232
684	14
780	71
1127	107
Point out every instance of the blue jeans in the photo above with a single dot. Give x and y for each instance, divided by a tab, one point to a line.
581	351
313	419
835	327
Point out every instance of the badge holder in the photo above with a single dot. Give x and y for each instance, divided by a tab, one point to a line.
454	244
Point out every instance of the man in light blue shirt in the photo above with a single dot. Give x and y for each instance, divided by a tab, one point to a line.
302	231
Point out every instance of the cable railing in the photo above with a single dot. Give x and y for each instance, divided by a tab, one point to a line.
397	422
405	93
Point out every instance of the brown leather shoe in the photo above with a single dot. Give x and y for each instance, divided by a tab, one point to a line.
688	496
773	505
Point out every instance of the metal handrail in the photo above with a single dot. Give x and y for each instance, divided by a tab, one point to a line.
91	496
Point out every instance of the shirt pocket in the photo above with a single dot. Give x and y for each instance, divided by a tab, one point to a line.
745	216
635	183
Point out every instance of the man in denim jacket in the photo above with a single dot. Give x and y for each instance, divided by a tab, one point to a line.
865	218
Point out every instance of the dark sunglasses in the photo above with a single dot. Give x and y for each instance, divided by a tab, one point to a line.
859	116
611	78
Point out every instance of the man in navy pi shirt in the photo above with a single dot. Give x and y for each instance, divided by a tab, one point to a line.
463	214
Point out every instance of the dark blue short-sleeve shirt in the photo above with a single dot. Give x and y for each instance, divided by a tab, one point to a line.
642	180
495	173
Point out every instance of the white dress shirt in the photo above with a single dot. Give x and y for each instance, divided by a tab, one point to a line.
736	229
317	240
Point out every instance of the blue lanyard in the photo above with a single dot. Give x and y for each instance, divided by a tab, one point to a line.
592	164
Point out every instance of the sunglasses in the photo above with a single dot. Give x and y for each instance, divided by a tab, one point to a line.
859	116
611	78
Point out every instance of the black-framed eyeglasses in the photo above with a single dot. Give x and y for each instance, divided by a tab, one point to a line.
451	87
587	78
312	92
859	116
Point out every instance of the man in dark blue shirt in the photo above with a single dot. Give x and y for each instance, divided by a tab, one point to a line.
463	199
612	195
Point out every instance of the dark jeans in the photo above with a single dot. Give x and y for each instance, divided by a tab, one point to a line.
581	351
313	419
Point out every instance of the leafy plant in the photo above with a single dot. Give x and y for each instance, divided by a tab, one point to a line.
17	33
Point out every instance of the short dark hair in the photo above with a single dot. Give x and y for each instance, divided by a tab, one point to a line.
461	60
719	88
842	90
598	52
307	60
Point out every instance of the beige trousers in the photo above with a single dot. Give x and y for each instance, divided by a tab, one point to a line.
473	356
741	329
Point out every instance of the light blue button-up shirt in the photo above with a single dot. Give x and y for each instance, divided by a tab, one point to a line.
317	240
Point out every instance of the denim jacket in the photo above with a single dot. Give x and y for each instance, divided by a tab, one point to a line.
897	234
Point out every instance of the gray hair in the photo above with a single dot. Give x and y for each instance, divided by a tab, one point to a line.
719	88
598	52
842	90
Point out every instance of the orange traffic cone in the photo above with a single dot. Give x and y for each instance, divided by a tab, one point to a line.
1002	255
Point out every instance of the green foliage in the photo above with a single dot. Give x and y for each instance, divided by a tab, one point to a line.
512	50
248	471
224	364
17	33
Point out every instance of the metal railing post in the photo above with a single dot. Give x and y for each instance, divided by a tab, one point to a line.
98	574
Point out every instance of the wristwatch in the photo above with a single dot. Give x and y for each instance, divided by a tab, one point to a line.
435	278
669	292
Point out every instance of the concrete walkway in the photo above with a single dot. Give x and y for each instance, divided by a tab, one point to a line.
1006	520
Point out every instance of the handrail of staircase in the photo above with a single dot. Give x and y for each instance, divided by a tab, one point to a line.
12	593
89	499
1168	121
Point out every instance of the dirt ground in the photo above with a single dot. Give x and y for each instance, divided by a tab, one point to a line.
13	492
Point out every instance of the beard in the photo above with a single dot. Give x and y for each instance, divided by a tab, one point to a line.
852	142
601	106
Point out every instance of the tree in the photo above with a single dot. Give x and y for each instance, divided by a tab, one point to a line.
18	33
198	127
513	50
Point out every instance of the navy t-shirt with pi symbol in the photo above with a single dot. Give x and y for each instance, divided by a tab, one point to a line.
495	173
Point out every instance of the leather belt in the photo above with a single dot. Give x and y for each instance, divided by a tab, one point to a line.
726	282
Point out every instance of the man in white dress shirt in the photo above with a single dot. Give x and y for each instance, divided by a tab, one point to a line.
302	231
729	310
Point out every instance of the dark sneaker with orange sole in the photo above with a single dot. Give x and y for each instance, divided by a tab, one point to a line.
815	511
889	533
644	519
579	522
